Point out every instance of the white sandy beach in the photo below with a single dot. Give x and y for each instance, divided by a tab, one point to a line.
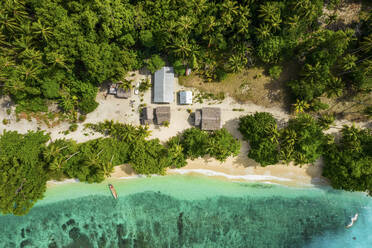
239	168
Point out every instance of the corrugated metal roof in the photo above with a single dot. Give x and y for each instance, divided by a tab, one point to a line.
164	85
185	97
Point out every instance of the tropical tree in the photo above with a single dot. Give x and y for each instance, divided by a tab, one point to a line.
43	31
300	106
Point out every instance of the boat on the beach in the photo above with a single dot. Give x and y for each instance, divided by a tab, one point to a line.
352	221
113	191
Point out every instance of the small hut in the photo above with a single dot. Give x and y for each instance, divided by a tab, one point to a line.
210	118
164	85
185	97
197	117
147	116
123	93
162	115
112	89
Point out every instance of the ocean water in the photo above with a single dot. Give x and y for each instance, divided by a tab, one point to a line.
190	211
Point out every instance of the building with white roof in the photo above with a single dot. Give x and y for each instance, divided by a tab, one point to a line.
185	97
164	85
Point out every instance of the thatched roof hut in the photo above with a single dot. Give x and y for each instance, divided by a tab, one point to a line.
162	114
147	115
122	93
197	117
210	118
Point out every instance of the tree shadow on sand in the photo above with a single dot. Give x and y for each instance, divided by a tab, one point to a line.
242	158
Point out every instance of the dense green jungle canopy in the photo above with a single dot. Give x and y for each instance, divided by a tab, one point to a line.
347	162
27	161
63	50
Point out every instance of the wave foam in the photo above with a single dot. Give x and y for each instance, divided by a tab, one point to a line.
221	174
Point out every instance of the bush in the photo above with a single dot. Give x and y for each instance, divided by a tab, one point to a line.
73	127
87	105
154	63
5	121
194	142
302	140
8	111
348	164
221	145
82	118
326	120
275	71
179	68
221	74
146	38
260	130
165	123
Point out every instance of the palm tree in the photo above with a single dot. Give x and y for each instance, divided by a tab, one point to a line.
288	140
143	132
349	62
334	87
8	23
126	84
263	31
185	24
367	43
312	70
235	63
181	48
293	21
243	25
210	24
25	28
275	22
268	11
23	43
199	6
18	10
229	8
273	133
31	56
57	163
28	72
300	106
57	60
42	30
107	167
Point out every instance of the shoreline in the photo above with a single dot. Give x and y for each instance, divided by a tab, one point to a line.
307	176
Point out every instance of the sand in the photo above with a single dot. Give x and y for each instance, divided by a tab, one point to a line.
238	168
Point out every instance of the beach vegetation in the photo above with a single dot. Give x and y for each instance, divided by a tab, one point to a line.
348	163
301	141
22	178
275	71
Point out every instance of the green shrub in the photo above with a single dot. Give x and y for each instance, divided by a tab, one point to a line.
179	68
73	127
8	111
221	74
87	105
82	118
5	121
275	71
155	63
348	163
302	140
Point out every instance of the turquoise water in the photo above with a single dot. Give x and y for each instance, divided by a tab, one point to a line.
190	211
